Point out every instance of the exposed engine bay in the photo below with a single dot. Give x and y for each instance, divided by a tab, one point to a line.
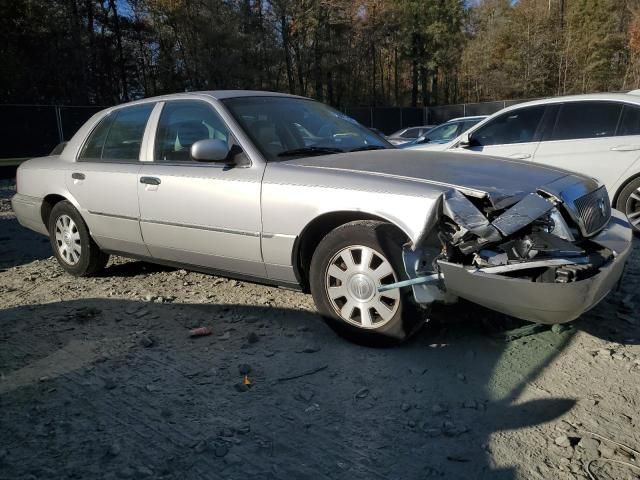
530	237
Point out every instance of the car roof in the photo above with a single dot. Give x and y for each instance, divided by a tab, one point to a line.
621	97
464	119
216	94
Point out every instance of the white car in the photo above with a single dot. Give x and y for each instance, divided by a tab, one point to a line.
597	135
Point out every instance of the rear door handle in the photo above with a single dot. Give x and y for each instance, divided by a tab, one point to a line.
77	176
625	148
520	156
150	180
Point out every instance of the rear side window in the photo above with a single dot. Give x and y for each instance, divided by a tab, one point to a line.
118	137
587	120
517	126
630	123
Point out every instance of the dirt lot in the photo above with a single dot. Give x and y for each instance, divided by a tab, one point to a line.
100	379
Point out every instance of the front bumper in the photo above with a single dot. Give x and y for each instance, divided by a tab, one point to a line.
545	302
28	211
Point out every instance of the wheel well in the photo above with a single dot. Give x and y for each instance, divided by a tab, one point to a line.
47	205
623	186
313	234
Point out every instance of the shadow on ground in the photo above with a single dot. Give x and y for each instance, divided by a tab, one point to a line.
117	389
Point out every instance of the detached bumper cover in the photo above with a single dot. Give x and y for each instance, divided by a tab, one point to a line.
28	211
545	302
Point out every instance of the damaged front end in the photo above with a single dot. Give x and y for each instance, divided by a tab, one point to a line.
546	256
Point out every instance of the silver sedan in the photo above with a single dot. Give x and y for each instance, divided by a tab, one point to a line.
286	191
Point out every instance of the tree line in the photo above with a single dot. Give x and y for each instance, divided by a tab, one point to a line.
343	52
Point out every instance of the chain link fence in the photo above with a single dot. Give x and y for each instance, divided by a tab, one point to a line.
34	130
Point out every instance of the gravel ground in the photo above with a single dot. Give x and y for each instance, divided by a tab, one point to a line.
99	379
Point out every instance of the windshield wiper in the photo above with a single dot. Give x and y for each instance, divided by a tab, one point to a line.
368	147
310	151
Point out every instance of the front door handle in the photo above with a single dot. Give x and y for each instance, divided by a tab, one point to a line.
150	180
77	176
520	156
625	148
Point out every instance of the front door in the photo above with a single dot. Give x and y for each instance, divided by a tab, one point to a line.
514	134
197	213
104	179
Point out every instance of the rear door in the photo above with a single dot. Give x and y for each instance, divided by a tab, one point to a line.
514	134
104	180
596	138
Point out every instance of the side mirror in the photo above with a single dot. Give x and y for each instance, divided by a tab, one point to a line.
465	141
210	150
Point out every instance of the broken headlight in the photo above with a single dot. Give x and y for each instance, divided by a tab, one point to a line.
559	227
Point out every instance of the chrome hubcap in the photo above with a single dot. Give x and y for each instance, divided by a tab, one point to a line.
632	209
68	239
351	282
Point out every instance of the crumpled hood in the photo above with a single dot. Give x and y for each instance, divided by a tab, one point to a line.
497	178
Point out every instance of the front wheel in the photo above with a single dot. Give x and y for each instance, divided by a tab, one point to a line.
629	203
347	269
71	242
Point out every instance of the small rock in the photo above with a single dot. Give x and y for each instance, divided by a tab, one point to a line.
166	413
590	446
461	377
470	404
437	408
144	471
252	337
226	432
606	451
244	369
200	447
146	341
562	441
114	449
109	384
559	328
405	407
232	459
302	328
310	349
362	393
221	451
305	395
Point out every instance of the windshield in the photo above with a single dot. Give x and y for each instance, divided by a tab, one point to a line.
286	127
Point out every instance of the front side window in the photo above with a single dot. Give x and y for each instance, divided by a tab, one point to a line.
630	123
442	133
586	120
517	126
118	136
183	123
411	133
288	127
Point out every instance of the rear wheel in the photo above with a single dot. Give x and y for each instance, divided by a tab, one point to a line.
629	203
72	245
347	269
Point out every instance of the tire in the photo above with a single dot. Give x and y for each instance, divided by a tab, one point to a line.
71	242
629	203
348	299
